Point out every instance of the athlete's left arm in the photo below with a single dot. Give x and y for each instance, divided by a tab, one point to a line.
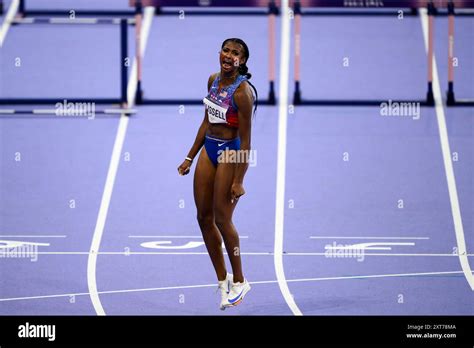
243	98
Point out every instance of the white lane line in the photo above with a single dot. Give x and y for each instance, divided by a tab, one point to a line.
214	285
367	246
32	236
281	158
265	253
185	237
388	238
112	173
448	165
12	10
374	276
43	297
378	254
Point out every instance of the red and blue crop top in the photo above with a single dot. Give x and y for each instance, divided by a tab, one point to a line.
220	104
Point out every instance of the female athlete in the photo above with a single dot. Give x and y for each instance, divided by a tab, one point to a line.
219	175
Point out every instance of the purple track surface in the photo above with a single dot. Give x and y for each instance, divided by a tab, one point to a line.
53	171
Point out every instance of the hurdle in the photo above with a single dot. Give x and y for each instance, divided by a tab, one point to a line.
363	8
60	20
450	97
23	11
297	95
171	7
120	100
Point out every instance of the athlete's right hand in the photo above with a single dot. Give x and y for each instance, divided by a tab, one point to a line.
184	168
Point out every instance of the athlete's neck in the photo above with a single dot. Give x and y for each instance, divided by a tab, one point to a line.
228	76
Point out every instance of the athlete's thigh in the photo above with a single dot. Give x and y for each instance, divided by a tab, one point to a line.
204	184
223	205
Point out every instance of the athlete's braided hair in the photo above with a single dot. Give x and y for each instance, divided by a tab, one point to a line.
243	69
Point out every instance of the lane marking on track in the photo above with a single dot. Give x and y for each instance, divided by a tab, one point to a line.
264	253
12	10
281	158
32	236
213	285
112	172
350	237
448	165
197	237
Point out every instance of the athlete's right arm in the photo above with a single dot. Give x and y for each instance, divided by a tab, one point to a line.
184	168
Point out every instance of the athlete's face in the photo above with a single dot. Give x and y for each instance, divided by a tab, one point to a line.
231	56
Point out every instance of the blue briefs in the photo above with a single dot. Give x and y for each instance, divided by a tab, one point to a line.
214	147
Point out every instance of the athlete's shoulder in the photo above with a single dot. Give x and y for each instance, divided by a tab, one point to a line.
211	80
243	89
243	95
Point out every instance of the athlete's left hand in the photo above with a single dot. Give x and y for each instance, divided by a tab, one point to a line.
236	191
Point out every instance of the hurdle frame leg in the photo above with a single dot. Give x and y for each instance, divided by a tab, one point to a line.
272	12
450	99
123	61
21	9
138	53
297	42
431	13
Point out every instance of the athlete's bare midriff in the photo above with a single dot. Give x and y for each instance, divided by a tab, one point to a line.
222	131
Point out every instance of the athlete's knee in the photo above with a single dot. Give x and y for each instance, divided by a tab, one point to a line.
223	221
205	220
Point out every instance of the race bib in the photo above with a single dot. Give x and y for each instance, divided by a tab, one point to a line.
215	113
